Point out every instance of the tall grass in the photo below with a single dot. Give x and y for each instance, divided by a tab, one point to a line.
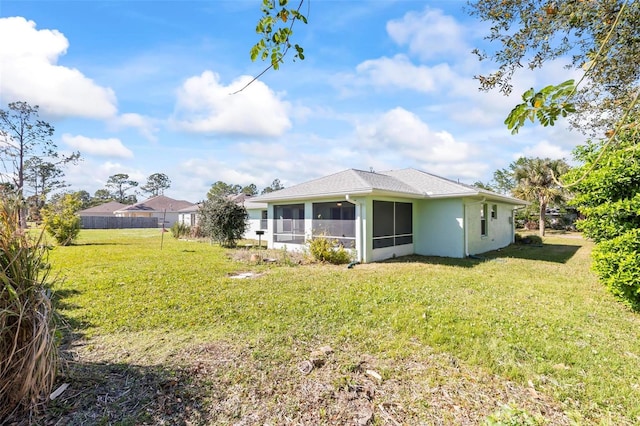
28	357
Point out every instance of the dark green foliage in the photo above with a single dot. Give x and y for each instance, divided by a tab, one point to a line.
617	263
323	249
61	220
609	195
607	191
223	220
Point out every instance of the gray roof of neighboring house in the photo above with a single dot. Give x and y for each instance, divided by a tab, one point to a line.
190	209
409	183
245	200
159	203
106	208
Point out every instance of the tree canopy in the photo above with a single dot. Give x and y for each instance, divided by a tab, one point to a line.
601	38
536	182
222	189
156	184
118	185
27	151
275	186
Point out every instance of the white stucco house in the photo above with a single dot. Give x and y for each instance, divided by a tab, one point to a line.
394	213
257	221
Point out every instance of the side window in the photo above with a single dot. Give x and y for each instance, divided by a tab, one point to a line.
494	211
483	220
263	220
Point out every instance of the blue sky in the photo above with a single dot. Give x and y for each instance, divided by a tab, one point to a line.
143	87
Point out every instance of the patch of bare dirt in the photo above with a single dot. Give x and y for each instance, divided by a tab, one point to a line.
221	383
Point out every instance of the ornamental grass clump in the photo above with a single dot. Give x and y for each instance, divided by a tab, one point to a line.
323	249
28	357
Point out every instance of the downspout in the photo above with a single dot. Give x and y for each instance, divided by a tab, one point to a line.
466	223
360	242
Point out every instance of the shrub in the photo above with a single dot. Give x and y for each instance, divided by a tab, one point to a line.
180	230
28	362
617	263
323	249
223	220
60	219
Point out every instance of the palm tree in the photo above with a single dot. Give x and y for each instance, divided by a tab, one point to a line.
537	182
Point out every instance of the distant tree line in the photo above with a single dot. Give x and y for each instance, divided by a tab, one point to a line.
222	189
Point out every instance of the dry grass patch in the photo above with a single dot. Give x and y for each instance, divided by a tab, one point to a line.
226	383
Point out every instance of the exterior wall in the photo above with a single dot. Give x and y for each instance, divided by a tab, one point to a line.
254	224
500	230
439	227
369	254
189	219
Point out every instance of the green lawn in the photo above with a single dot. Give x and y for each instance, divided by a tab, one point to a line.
531	316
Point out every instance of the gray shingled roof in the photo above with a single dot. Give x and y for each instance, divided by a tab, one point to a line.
410	183
106	208
157	204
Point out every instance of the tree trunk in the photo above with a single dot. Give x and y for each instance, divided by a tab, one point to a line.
543	211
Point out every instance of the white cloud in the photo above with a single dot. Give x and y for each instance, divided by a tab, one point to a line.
145	125
402	131
205	105
428	34
111	147
30	73
545	149
400	72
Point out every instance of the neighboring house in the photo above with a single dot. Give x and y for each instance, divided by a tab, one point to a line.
394	213
105	209
189	215
257	216
164	208
257	219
